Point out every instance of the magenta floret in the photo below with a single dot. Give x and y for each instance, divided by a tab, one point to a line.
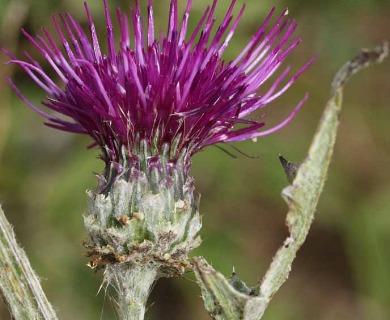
176	90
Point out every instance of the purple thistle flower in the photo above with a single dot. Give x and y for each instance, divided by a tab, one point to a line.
174	91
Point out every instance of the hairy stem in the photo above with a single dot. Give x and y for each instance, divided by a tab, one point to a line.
133	284
19	285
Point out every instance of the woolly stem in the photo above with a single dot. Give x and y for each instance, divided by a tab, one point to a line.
133	284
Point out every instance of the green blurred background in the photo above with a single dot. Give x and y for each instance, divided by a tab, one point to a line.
343	270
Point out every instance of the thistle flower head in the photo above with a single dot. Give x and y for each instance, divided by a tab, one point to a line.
174	93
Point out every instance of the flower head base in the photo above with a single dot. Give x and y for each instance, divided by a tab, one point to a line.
175	94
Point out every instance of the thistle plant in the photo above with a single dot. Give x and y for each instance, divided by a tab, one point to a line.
149	105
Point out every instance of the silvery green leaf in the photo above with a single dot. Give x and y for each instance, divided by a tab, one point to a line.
222	300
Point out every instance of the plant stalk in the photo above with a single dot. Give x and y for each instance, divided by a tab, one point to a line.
19	285
133	284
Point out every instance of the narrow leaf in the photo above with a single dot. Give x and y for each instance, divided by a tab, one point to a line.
222	300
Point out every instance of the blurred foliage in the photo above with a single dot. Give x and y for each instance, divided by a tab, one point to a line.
342	272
